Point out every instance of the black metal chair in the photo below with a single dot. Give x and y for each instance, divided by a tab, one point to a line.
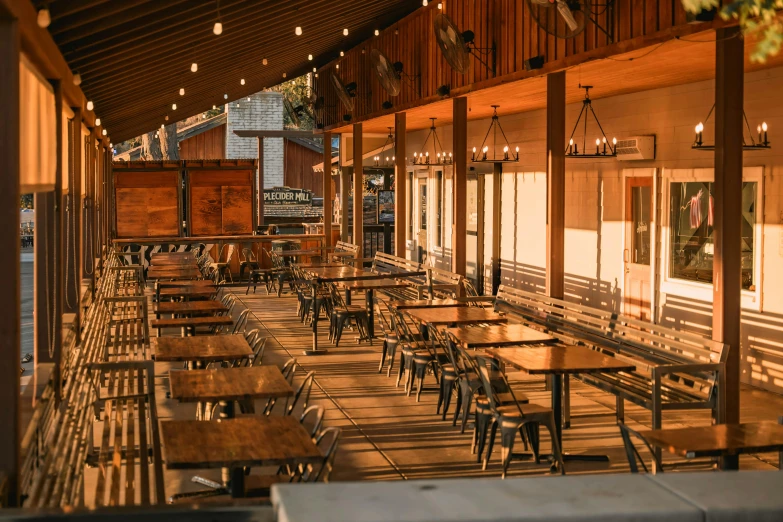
342	313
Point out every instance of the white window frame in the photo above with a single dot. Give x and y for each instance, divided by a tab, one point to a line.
750	299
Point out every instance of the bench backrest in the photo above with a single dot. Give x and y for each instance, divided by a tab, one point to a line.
448	281
641	341
342	246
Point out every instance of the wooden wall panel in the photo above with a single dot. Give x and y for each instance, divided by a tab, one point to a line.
221	200
210	144
298	168
147	201
237	209
506	23
206	215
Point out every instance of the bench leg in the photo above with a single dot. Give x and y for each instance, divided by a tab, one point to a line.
566	401
620	409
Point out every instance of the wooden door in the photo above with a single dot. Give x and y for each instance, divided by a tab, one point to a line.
637	256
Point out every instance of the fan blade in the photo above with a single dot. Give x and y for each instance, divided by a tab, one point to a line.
565	12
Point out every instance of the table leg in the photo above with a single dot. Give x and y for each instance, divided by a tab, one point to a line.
370	313
347	297
556	383
315	350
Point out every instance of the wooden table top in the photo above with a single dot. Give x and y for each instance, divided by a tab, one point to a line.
192	321
187	282
559	360
374	284
305	266
255	440
166	272
717	440
456	315
409	304
188	291
498	335
229	384
174	262
201	348
292	253
334	272
190	307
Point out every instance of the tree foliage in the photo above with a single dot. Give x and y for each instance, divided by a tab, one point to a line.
297	92
756	17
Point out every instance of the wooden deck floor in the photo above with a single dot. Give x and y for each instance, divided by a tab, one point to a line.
388	436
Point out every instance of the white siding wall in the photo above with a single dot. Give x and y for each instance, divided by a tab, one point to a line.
263	111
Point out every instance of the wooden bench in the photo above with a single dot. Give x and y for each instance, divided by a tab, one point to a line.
129	335
444	283
344	251
129	437
389	264
674	370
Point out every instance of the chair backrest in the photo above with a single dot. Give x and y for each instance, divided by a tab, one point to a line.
251	336
327	442
302	393
241	322
470	291
336	296
289	369
313	415
259	346
382	314
484	364
450	345
248	255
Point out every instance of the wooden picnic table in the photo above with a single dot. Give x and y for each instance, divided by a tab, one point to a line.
336	272
237	443
557	361
203	348
498	335
189	324
410	304
456	316
720	440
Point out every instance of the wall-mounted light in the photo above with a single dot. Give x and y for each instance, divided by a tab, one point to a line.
337	66
104	132
342	53
166	117
264	61
225	96
193	67
377	32
284	75
310	57
424	3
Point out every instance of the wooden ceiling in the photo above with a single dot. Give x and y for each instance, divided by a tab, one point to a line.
673	62
135	55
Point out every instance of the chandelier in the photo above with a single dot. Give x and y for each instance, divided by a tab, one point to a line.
441	158
602	148
386	161
494	127
761	143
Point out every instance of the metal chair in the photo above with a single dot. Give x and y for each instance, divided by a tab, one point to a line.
390	339
512	418
313	416
249	261
342	313
288	370
222	267
301	393
633	454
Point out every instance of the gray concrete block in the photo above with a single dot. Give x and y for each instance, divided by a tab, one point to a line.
603	498
755	496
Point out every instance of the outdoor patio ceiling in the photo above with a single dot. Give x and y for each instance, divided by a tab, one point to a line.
134	56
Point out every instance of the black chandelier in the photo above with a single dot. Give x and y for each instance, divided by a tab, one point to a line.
387	162
441	158
761	144
482	157
603	149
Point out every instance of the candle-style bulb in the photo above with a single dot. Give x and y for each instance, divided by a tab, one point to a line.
614	141
764	126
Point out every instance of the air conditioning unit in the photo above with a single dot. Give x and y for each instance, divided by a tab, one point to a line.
636	148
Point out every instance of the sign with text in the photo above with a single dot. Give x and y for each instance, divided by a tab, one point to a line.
288	196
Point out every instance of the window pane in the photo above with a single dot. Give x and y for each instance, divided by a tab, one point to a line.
410	205
640	216
439	217
692	249
423	202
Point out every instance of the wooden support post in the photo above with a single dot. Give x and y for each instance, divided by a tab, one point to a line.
45	257
555	171
358	189
72	223
400	185
497	183
56	290
345	191
727	193
88	204
10	301
459	237
260	182
328	196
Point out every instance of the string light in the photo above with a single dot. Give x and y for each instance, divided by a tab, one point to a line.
310	57
424	3
377	32
77	79
182	92
225	96
345	32
440	5
315	70
337	66
342	53
173	106
44	18
104	132
218	29
193	67
284	75
264	61
90	106
97	122
214	107
242	81
298	31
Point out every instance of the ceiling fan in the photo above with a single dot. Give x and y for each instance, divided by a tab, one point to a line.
457	46
568	18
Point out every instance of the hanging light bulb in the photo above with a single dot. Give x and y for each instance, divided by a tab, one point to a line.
77	79
44	18
90	106
284	75
182	92
315	70
377	32
342	53
104	132
337	66
225	96
111	145
97	122
173	106
345	32
242	81
424	3
298	31
218	29
264	61
310	57
166	118
248	98
161	127
214	107
156	134
203	116
440	5
193	67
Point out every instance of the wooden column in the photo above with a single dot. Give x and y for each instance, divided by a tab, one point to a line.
358	189
45	257
727	193
497	183
555	171
88	206
345	191
10	301
56	244
459	229
328	196
72	222
260	182
400	185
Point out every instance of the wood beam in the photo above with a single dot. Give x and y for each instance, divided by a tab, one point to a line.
400	185
10	298
358	190
260	181
727	193
327	189
459	238
555	175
